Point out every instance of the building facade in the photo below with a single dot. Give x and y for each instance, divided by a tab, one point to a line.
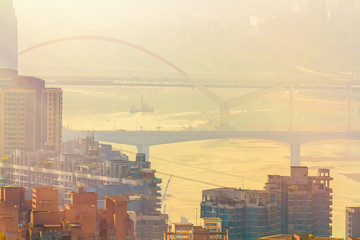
352	224
134	180
191	232
40	217
9	36
248	214
303	202
30	116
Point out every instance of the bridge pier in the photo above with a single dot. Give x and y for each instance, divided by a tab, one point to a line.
144	148
224	121
291	108
295	154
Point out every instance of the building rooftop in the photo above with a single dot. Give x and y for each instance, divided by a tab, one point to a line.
184	224
117	198
7	72
355	208
297	237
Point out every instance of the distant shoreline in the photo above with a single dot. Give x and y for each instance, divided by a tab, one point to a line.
353	176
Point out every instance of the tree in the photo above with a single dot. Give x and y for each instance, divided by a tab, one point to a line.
2	236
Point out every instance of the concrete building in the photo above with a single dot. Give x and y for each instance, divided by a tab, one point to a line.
30	115
45	216
51	103
248	214
297	237
191	232
183	230
14	212
6	77
45	199
352	224
212	224
79	220
9	221
303	201
12	195
9	36
137	183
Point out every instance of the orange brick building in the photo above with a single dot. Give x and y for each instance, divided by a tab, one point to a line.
12	211
79	220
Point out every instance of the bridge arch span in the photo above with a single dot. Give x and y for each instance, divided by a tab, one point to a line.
107	39
187	77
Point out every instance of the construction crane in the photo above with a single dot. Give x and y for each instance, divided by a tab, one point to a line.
164	196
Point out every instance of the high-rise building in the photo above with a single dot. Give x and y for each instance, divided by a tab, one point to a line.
8	39
249	214
6	77
352	222
319	14
51	103
303	201
30	115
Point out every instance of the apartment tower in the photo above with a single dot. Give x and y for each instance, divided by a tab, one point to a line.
249	214
30	115
352	223
9	37
303	201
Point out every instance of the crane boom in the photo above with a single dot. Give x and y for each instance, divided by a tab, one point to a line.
164	194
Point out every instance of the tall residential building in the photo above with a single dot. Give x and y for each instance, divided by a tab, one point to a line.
303	201
52	118
9	37
6	77
30	115
352	223
248	214
318	14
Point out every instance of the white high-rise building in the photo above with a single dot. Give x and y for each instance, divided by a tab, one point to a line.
9	38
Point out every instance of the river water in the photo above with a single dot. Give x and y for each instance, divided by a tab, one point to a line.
240	163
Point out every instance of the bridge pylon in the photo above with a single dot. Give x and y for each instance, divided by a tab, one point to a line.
224	122
295	154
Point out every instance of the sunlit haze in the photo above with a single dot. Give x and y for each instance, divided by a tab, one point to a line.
202	119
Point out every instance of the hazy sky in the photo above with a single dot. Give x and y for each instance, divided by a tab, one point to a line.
200	36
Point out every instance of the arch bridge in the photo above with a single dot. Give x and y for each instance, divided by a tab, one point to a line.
226	105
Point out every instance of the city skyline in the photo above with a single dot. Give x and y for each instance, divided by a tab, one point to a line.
284	106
